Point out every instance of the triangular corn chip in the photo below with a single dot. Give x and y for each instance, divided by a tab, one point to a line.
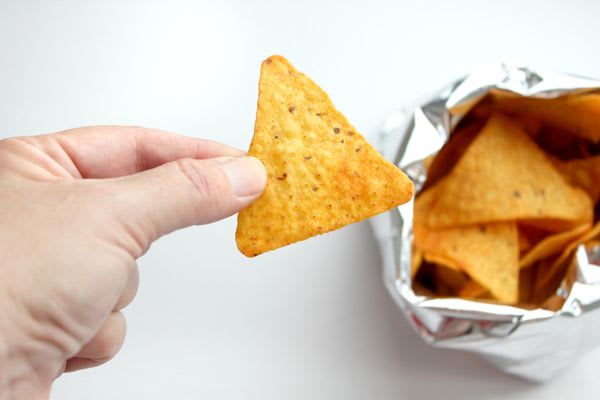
489	253
473	290
555	268
449	278
552	244
322	174
434	258
504	176
583	173
577	114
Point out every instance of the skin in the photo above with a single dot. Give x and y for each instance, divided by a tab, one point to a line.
77	208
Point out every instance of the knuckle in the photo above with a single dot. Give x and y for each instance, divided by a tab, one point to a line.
10	143
198	176
207	183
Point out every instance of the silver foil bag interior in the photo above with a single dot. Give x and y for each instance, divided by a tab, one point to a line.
534	344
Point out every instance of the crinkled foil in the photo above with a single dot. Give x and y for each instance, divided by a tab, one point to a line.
535	344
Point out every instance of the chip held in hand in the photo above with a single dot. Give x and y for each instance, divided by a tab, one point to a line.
322	174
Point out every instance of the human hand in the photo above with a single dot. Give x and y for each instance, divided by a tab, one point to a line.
77	208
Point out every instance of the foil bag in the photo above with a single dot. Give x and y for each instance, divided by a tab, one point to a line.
534	344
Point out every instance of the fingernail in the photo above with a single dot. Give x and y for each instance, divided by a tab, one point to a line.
247	175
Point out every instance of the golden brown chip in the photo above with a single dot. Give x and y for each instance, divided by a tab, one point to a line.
578	114
322	174
524	243
487	253
434	258
529	236
448	281
550	273
473	290
452	151
428	161
451	276
503	176
552	244
558	265
526	279
532	126
583	173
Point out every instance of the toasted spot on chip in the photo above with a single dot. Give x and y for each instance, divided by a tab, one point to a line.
344	185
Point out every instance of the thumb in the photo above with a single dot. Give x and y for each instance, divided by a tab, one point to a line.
188	192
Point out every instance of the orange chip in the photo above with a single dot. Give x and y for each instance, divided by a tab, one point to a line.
583	173
532	126
441	260
557	266
473	290
526	277
524	243
503	176
321	173
578	114
552	244
487	253
529	236
550	273
452	151
448	280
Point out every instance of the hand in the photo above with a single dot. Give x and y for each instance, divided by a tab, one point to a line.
77	208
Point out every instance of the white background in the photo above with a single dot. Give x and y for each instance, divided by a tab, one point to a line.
311	320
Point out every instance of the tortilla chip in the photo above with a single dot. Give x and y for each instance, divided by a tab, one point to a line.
524	243
487	253
526	279
532	126
452	151
578	114
583	173
558	265
504	176
428	161
529	236
549	225
473	290
441	260
552	244
550	274
448	281
322	174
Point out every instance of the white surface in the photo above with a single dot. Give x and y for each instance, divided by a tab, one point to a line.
308	321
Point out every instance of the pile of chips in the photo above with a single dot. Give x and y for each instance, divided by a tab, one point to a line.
508	199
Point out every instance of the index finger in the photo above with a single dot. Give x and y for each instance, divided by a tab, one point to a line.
97	152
